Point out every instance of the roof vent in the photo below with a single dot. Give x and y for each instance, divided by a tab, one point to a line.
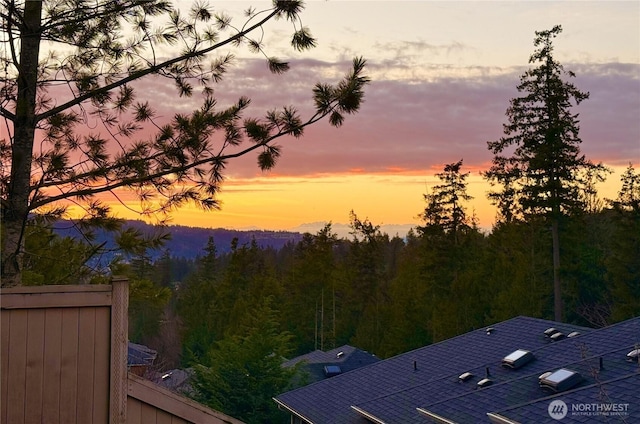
485	382
340	354
517	359
551	331
560	380
557	336
634	355
332	370
573	334
490	330
464	377
544	375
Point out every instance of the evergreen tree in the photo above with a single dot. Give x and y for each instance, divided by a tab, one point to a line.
195	305
245	370
94	54
445	210
449	244
364	303
544	174
623	261
409	325
309	285
147	300
42	264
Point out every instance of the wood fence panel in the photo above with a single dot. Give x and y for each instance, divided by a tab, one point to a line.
57	356
163	417
52	366
102	368
35	365
148	415
17	366
86	362
69	366
64	361
134	411
4	364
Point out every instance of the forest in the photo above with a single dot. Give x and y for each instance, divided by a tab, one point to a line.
388	295
556	251
226	314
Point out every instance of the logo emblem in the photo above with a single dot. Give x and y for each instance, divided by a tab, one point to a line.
557	409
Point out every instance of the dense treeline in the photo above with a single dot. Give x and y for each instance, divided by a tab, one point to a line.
556	251
388	295
234	316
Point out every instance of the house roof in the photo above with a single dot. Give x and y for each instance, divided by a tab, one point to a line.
391	391
138	354
346	357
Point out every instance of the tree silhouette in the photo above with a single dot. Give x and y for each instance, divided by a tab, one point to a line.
445	208
69	61
538	163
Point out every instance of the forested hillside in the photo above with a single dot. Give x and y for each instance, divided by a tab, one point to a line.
234	314
232	306
386	294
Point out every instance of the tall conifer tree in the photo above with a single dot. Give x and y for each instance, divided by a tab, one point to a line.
538	163
71	63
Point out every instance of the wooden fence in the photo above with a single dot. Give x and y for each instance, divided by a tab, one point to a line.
63	360
64	354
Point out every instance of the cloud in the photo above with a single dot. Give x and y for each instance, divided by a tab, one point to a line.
418	123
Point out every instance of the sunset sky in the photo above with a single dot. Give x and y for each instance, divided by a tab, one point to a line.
442	77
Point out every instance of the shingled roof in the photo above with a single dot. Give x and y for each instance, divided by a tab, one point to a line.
423	385
346	358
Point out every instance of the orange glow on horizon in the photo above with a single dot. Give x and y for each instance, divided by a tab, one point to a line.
283	203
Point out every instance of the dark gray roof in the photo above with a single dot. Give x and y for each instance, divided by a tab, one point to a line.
319	356
391	390
346	357
138	354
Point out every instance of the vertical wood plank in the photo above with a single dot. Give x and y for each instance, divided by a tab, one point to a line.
4	364
101	369
134	413
86	364
119	341
163	417
178	420
17	366
69	366
148	414
35	365
52	365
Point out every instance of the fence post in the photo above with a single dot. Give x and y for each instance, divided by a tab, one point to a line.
119	350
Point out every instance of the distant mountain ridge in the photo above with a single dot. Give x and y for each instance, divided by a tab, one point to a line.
189	242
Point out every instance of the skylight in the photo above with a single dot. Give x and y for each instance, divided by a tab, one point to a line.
556	336
465	376
517	359
485	382
560	380
331	370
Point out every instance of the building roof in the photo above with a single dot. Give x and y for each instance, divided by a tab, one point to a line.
138	354
423	385
346	358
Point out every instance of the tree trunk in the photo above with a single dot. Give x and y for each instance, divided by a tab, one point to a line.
16	208
557	289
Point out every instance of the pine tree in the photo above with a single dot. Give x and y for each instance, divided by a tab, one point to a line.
70	63
538	162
